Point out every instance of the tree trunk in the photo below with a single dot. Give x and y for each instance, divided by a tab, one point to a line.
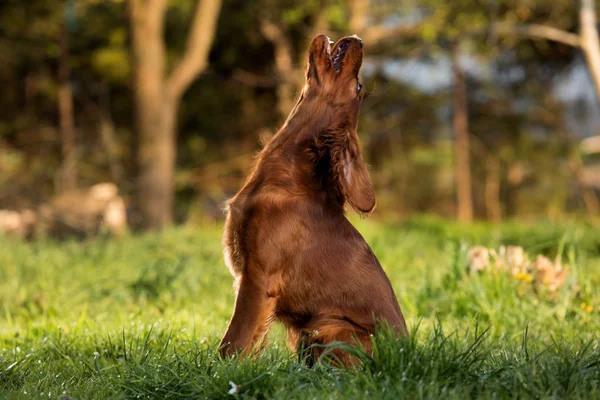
590	43
156	163
461	132
68	173
157	97
154	169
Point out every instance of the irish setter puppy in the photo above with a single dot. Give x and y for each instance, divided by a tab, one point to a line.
294	255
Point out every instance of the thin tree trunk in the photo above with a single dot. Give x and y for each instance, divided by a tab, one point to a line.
68	173
590	43
590	200
492	190
461	132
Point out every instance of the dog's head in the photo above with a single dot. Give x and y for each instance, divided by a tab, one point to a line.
332	73
334	93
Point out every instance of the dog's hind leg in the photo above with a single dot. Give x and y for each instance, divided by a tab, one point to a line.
324	330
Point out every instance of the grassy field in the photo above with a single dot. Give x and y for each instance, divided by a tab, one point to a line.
140	317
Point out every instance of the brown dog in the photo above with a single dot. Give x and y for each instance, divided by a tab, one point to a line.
294	255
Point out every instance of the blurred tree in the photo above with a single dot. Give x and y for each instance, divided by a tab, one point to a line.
446	27
460	123
451	26
590	44
66	114
587	39
49	78
157	96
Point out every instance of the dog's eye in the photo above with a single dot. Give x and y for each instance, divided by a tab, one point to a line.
358	87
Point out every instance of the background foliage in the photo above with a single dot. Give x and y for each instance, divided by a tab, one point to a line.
530	101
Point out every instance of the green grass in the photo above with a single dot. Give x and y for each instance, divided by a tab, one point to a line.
140	317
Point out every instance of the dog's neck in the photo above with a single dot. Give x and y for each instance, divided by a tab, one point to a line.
308	118
308	115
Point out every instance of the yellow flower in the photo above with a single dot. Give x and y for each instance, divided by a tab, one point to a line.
589	308
524	277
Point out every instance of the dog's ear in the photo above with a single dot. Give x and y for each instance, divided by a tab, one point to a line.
319	61
349	172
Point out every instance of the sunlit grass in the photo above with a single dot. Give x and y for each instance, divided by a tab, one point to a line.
140	317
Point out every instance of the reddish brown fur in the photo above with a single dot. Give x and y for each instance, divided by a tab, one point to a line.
293	254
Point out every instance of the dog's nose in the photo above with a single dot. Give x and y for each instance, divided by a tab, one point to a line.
359	39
